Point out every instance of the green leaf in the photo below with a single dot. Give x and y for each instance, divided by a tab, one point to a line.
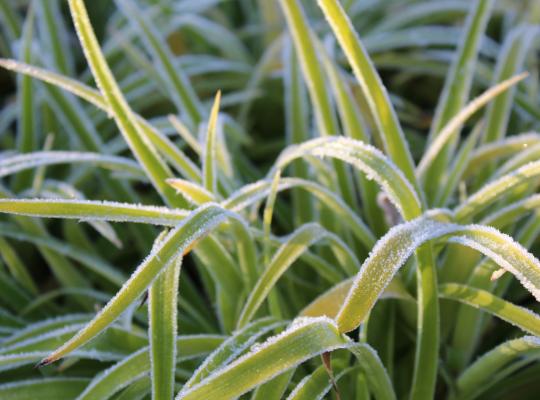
180	88
521	317
457	86
367	159
140	145
178	159
304	42
495	190
52	388
179	241
295	245
240	341
452	127
257	191
329	303
88	210
377	378
482	370
494	151
193	192
391	252
509	62
20	162
209	164
305	339
138	365
26	124
162	312
372	87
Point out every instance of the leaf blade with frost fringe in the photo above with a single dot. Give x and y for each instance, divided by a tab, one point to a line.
493	191
256	191
138	364
391	252
372	87
329	303
142	148
231	348
183	93
315	81
177	158
162	329
457	86
366	158
520	317
209	164
194	227
194	193
451	127
89	210
302	341
12	164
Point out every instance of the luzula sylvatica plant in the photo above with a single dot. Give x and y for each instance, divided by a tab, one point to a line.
224	199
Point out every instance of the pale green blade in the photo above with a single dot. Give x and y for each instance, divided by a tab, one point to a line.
179	241
138	364
140	145
456	90
495	190
367	159
210	150
520	317
88	210
162	329
390	253
372	87
305	339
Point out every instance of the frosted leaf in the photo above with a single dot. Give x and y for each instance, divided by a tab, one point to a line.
364	157
504	251
21	162
493	191
393	250
92	210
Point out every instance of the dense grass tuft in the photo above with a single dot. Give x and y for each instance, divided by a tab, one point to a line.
210	199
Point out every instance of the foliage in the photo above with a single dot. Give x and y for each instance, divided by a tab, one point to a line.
331	199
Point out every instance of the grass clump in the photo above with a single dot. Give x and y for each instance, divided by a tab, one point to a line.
381	247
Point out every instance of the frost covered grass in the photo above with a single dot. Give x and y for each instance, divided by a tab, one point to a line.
269	199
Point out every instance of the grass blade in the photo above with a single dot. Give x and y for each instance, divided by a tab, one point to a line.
302	341
162	309
372	87
399	243
521	317
138	365
475	376
177	242
452	127
493	191
140	145
457	87
316	84
209	165
367	159
53	388
26	126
